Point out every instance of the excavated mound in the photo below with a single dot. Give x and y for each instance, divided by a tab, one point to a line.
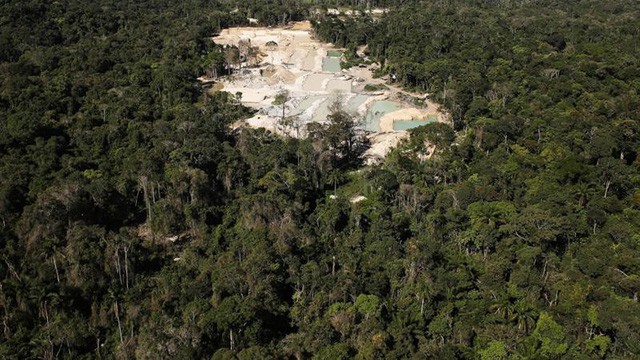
278	74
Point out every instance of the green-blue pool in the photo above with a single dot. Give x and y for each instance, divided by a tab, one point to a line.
331	64
334	53
376	112
410	124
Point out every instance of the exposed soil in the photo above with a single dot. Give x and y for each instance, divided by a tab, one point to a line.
292	60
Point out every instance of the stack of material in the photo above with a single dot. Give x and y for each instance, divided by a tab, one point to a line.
279	74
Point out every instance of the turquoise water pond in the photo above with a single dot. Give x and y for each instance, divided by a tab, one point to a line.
331	64
376	112
334	53
410	124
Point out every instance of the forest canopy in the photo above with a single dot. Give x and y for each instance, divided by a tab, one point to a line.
136	224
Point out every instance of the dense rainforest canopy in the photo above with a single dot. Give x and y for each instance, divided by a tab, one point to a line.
134	223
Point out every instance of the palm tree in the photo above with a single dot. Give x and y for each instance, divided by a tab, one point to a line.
515	311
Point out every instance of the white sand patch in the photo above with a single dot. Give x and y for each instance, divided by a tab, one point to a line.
253	97
316	82
298	56
312	113
309	63
321	54
339	85
299	83
381	144
264	121
325	81
322	111
358	198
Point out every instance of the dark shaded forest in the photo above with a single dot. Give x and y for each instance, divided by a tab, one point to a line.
135	224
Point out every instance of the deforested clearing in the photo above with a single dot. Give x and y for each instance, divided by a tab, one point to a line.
291	59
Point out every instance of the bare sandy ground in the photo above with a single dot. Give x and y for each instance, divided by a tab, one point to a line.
309	63
295	65
382	143
316	82
339	85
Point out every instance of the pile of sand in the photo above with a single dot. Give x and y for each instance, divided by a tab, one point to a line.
279	74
